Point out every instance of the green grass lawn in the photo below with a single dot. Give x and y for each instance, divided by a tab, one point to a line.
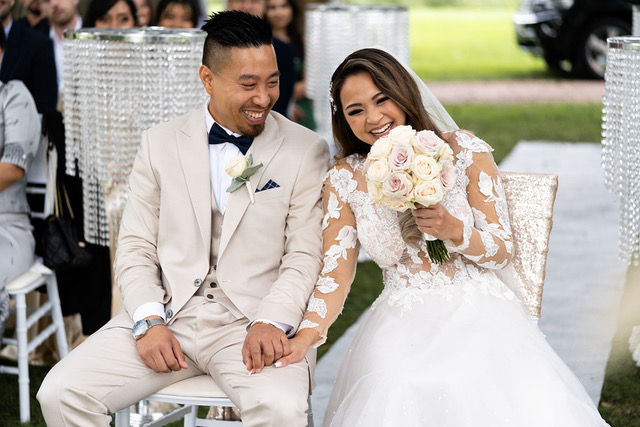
467	44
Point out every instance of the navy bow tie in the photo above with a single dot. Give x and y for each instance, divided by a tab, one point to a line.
217	135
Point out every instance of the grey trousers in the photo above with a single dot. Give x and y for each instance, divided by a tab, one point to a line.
17	247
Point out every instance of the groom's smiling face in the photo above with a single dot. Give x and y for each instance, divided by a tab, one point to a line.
244	89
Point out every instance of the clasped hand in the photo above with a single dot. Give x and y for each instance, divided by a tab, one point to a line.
258	352
435	220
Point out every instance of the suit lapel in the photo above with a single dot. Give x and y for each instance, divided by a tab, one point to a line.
263	149
193	150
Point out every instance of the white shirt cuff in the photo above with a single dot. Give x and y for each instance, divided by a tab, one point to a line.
149	309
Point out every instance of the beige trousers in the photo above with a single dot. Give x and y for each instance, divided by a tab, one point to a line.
105	373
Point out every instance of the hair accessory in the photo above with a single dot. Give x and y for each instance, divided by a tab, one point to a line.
334	109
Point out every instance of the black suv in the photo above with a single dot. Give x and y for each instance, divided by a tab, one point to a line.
572	35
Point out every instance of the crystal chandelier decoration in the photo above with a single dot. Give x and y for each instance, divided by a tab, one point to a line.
621	138
335	30
118	83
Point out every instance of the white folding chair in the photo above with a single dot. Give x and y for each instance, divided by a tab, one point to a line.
530	198
18	288
192	392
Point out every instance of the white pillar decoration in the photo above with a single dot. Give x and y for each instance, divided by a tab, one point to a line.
621	138
118	83
333	31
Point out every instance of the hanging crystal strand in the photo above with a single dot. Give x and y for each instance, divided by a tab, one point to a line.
117	84
621	138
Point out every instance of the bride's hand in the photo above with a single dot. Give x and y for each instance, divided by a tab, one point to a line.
436	221
299	346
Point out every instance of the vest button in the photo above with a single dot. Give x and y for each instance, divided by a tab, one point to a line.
215	266
169	313
213	284
197	282
209	296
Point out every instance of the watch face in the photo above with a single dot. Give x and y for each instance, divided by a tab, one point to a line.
139	328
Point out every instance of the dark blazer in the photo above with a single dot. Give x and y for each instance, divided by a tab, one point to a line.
28	57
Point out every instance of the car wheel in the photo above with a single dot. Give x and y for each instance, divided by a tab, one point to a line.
591	47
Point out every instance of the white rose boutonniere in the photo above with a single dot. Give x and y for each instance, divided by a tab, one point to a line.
240	168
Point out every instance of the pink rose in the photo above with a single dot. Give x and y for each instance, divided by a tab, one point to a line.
397	186
400	157
448	176
427	142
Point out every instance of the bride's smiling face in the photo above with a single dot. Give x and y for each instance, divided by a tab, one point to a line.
370	113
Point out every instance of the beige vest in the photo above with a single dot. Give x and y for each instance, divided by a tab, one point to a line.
210	288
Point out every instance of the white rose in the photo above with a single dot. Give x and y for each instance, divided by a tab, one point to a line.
428	192
396	204
448	176
381	148
427	142
375	192
445	154
425	168
401	134
236	166
397	186
377	171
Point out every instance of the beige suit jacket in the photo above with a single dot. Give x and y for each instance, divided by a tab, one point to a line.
270	251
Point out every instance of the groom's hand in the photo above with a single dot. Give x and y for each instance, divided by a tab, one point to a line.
161	351
263	345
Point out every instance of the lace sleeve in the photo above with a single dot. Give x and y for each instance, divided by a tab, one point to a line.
488	242
340	248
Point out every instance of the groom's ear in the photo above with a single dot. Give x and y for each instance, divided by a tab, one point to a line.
206	77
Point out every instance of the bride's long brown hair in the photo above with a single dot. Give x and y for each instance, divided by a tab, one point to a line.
393	80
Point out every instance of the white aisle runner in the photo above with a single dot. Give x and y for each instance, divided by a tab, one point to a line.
584	279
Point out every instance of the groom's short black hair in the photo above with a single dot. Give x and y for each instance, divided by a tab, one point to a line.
232	28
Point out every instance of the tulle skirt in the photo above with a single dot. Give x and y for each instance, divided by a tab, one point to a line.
472	360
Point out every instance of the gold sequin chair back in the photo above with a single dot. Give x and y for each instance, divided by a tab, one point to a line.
530	198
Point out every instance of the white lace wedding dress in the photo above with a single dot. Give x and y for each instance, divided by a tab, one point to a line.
443	345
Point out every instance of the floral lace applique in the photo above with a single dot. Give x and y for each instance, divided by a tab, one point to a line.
333	210
317	305
346	240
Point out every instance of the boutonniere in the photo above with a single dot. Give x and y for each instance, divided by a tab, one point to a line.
240	168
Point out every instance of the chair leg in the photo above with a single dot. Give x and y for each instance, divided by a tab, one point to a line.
23	357
56	315
190	418
123	418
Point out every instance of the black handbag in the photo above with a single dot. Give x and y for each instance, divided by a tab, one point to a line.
62	244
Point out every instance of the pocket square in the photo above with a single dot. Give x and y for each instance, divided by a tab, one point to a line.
268	186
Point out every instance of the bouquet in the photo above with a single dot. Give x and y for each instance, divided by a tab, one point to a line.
407	167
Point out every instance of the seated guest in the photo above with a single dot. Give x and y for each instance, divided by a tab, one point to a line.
111	14
28	57
34	18
145	12
19	140
178	13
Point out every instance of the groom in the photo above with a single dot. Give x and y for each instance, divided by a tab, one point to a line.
204	271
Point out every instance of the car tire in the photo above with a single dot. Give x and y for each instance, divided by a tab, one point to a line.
591	47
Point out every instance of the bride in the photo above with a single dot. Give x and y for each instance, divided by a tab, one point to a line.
444	344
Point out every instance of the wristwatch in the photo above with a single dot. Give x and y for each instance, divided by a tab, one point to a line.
141	327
